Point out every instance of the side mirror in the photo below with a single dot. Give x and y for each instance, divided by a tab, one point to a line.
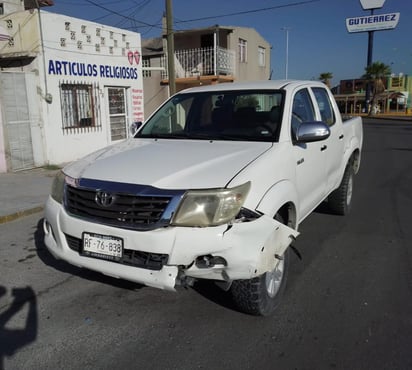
308	132
134	127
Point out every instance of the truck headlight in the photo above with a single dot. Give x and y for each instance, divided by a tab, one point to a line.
57	190
210	207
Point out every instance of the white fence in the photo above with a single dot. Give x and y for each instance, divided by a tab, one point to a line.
202	62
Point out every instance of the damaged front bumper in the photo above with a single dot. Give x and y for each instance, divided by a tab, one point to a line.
226	253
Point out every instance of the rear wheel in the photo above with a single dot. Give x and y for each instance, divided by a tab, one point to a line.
261	295
340	200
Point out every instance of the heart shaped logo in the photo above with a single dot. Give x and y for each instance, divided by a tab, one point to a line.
130	57
137	57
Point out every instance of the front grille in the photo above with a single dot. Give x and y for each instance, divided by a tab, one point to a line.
125	211
145	260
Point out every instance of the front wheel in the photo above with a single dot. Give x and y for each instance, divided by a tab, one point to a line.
261	295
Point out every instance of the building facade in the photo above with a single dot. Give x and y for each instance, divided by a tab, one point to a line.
68	87
211	55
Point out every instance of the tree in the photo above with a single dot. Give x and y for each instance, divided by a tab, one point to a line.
325	77
374	74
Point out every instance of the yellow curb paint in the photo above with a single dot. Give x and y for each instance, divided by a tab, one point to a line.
15	216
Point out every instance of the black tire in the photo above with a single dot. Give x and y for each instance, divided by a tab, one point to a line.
340	200
261	295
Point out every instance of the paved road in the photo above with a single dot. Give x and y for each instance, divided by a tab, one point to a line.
348	304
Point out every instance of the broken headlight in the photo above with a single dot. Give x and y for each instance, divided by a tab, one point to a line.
212	207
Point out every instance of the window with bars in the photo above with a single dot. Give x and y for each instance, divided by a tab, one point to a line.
146	64
242	51
79	107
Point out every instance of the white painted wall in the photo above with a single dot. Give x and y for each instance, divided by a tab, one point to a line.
3	163
75	51
113	64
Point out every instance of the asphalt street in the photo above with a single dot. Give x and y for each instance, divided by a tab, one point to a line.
348	304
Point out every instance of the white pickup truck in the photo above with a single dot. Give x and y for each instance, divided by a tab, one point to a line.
213	186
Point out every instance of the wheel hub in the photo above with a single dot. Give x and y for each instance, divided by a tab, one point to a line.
273	279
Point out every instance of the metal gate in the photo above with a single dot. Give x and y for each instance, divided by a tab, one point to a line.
13	94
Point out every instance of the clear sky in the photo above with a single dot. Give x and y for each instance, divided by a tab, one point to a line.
318	39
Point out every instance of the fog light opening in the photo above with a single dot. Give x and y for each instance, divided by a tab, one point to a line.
47	227
209	261
48	230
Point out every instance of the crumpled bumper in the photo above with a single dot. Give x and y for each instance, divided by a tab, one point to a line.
244	249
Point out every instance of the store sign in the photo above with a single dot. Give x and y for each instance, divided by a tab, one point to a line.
372	4
80	69
373	22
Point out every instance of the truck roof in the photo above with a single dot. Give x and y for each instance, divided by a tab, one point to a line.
254	85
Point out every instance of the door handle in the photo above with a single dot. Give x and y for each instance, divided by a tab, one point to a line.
341	137
324	147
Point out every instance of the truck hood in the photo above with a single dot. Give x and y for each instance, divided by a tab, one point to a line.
169	164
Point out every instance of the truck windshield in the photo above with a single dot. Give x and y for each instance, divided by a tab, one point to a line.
218	115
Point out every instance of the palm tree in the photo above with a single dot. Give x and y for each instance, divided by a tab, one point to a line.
325	77
374	74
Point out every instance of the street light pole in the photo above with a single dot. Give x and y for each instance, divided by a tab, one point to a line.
287	29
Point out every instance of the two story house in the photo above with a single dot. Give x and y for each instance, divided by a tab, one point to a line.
202	56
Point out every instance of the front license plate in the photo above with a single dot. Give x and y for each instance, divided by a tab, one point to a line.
102	246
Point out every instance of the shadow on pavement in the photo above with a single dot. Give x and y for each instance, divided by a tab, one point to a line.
48	259
13	339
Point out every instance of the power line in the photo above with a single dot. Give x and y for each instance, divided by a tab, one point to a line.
119	14
250	11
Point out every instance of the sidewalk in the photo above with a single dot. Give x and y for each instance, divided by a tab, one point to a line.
23	193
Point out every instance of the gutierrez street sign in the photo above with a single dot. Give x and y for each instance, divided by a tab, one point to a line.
376	22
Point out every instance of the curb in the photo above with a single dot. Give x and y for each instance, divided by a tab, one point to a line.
19	214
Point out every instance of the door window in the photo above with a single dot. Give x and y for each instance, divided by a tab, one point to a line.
302	109
325	105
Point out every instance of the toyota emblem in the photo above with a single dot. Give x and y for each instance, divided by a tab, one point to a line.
104	199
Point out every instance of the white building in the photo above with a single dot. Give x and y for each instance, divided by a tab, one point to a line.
67	87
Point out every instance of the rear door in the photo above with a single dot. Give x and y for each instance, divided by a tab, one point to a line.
335	142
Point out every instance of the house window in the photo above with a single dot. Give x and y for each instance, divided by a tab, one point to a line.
261	56
145	64
1	9
242	51
78	106
397	82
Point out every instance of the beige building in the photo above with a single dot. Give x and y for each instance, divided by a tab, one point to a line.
203	56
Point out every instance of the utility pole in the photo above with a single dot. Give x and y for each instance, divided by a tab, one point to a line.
368	63
170	48
287	29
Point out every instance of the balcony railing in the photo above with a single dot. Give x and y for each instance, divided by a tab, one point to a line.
202	62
